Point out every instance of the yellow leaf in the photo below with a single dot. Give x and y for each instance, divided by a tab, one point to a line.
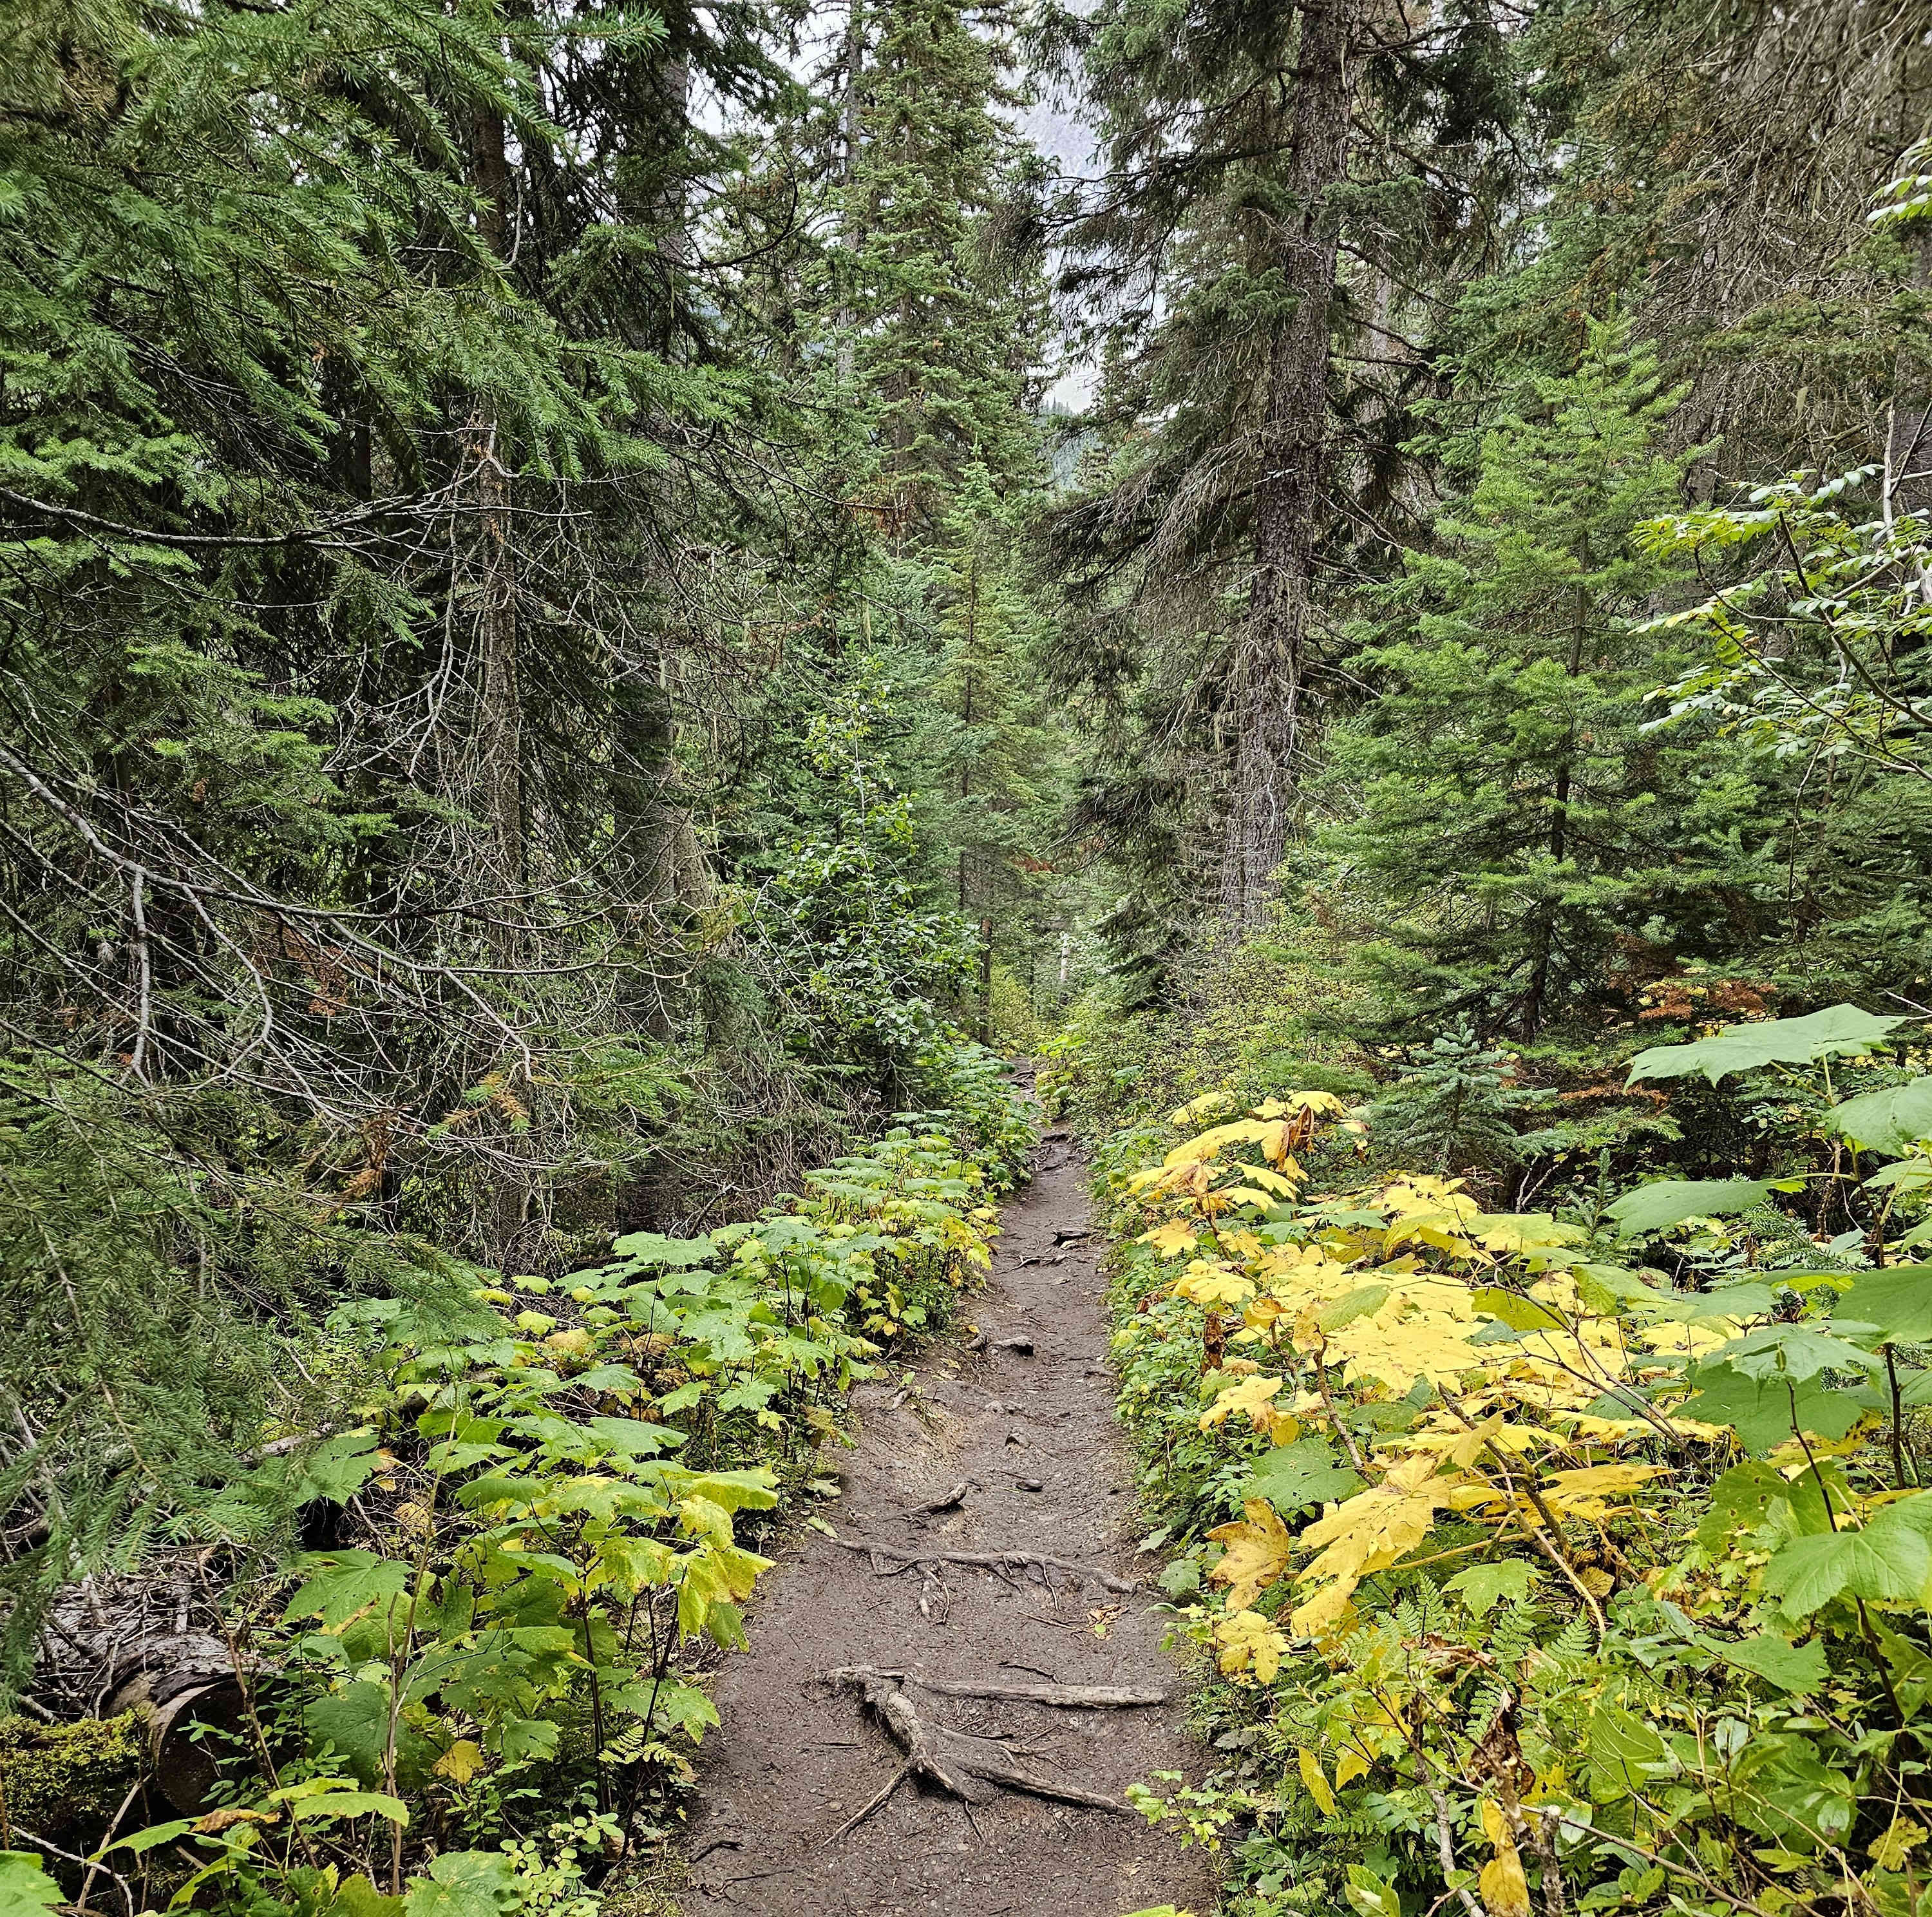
1250	1395
1310	1768
1322	1613
1258	1551
1901	1837
1169	1240
1587	1493
1249	1642
1505	1889
1270	1181
1372	1530
460	1762
1297	1103
1206	1106
230	1815
1350	1765
1205	1284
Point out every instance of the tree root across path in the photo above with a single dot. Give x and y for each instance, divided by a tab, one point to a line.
1066	1696
955	1761
1002	1561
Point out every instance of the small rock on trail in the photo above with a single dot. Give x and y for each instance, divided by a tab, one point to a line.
796	1758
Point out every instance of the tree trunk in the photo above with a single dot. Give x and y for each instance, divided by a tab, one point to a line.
654	842
851	236
1543	944
1908	451
497	741
1265	694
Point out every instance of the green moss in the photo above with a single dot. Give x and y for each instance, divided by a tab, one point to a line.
65	1777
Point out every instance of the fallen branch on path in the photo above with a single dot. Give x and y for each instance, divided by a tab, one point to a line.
1066	1696
953	1762
1002	1561
951	1501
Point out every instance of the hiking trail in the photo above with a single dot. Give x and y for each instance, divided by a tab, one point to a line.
994	1500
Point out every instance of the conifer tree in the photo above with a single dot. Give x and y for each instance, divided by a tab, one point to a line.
1231	143
946	348
1511	803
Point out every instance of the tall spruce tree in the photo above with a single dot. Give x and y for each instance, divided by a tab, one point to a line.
946	349
1243	147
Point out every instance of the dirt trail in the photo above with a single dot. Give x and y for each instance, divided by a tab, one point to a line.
1033	1438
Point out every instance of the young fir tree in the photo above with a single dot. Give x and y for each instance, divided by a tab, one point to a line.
917	336
994	758
1507	799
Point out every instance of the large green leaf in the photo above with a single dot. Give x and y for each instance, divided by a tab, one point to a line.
651	1251
463	1883
1896	1301
1782	1789
1299	1474
1792	1353
1358	1303
1747	1498
339	1585
1482	1587
1519	1313
25	1889
1760	1409
633	1436
1671	1201
352	1804
354	1722
1621	1743
1613	1292
1891	1121
1889	1559
1797	1668
1841	1028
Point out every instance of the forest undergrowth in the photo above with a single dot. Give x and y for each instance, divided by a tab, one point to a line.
1556	1561
533	1506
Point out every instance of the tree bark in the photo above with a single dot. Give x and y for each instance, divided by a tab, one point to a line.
1266	693
497	742
659	867
851	234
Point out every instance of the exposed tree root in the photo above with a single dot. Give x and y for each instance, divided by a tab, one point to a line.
951	1501
1066	1696
1002	1561
954	1762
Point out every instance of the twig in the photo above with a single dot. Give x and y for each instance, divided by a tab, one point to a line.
1445	1848
67	1856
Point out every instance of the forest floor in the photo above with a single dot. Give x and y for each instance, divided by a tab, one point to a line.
1011	1448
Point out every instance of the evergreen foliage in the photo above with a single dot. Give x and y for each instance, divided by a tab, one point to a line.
554	678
